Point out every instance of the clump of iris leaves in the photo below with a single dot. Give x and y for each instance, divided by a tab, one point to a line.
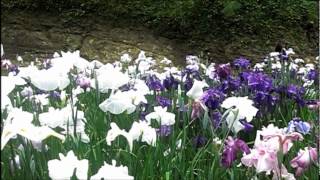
199	157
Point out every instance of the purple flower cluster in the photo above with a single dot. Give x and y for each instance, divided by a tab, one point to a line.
295	92
188	84
230	84
164	131
189	75
223	71
313	75
296	124
247	126
216	119
163	101
212	98
170	83
265	101
197	110
241	63
83	81
154	83
13	68
231	148
55	94
257	81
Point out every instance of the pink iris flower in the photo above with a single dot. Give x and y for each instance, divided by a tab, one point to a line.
304	159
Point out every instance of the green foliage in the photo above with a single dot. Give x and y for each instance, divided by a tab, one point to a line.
230	8
180	18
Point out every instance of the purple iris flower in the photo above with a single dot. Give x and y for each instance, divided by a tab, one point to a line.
164	102
212	98
39	91
55	94
216	119
170	83
231	84
244	76
241	63
197	110
188	84
231	148
14	69
313	104
247	126
265	101
164	130
284	56
259	81
223	71
294	90
199	141
154	83
143	115
296	93
83	82
296	124
313	75
191	73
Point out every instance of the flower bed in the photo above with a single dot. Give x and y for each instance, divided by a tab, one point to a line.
68	117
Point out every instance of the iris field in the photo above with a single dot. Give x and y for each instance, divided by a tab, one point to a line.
141	118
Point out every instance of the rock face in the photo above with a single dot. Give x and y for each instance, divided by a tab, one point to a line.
33	34
41	35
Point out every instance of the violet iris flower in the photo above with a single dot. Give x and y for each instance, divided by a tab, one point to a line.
170	83
190	74
143	115
313	104
164	130
296	124
55	94
223	71
83	81
163	101
216	119
212	98
265	101
231	84
197	110
296	93
154	83
231	148
241	63
188	84
14	69
313	75
199	141
247	126
258	81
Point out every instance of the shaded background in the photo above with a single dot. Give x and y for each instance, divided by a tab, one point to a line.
218	30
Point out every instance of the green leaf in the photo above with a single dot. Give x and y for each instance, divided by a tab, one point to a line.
205	120
230	8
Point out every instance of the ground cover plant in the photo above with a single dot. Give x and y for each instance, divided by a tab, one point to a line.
70	118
